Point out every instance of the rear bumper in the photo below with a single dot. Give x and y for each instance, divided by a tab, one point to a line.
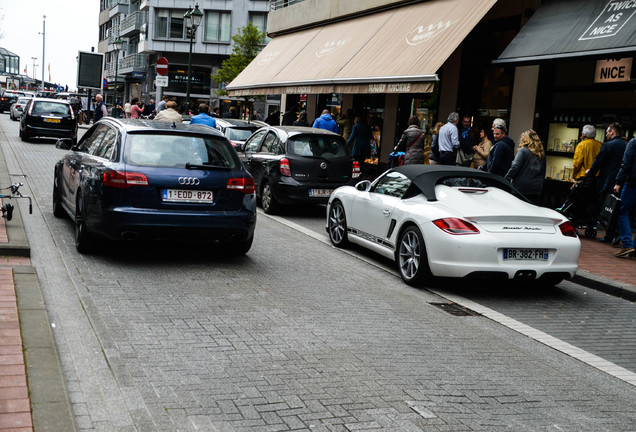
32	131
289	191
130	223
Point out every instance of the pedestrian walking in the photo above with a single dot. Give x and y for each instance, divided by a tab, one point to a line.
325	121
502	152
482	149
527	170
203	117
127	107
100	108
626	181
360	141
433	158
412	143
585	152
449	140
169	114
302	119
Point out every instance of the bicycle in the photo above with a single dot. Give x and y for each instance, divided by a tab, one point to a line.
7	208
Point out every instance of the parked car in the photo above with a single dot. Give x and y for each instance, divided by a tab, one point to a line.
8	98
129	179
292	164
45	117
238	131
15	112
446	221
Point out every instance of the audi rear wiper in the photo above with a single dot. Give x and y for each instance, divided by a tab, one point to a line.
205	166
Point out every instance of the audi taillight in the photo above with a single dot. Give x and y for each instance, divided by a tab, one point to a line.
283	167
355	173
568	230
124	179
455	226
72	113
242	184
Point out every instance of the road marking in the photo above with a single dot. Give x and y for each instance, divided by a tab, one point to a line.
593	360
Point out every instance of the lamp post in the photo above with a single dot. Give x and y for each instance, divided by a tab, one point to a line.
43	45
34	65
117	43
192	20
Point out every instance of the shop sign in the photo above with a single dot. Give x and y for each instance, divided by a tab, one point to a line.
390	88
139	75
268	57
330	47
424	33
613	70
613	18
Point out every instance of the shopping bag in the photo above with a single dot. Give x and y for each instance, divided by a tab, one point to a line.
609	211
396	159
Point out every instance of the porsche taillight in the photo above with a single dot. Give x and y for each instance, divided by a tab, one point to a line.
355	172
283	167
243	184
124	179
568	230
455	226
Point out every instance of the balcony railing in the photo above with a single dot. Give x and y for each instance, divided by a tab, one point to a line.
113	3
133	23
279	4
128	64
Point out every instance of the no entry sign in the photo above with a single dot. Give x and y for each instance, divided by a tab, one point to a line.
162	65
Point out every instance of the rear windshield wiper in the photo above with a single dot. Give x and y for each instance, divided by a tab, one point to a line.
205	166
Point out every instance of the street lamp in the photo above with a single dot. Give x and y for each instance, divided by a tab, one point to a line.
117	43
34	65
192	20
43	45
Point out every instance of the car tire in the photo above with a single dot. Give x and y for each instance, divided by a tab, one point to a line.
84	242
23	136
411	257
337	225
269	204
58	210
237	247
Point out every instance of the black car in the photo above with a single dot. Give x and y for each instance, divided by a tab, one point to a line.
45	117
8	98
130	179
293	164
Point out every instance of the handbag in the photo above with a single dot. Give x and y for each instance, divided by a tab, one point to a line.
609	211
401	160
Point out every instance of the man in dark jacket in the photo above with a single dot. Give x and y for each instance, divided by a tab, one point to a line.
626	179
502	152
326	122
607	163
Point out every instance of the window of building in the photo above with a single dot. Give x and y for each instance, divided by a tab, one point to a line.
169	24
218	26
259	20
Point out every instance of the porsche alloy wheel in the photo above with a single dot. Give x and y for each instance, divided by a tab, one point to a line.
337	225
411	257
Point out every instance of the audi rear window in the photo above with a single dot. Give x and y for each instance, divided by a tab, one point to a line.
176	151
328	147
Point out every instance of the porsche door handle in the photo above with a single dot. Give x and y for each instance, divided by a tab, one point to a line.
386	213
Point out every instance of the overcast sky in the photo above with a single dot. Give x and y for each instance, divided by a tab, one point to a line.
71	26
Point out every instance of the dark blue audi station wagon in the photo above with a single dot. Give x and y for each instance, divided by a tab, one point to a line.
129	179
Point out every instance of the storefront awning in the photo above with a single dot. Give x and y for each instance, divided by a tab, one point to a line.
574	28
395	51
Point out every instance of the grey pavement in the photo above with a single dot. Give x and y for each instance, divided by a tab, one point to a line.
304	350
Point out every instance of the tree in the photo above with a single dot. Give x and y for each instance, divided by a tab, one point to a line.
248	42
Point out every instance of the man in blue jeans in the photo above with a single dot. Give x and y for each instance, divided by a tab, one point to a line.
626	179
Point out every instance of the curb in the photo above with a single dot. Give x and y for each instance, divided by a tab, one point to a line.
606	285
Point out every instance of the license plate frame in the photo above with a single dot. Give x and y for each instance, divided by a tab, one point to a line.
52	120
320	193
526	254
187	196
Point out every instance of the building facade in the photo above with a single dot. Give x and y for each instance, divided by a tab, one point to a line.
152	29
531	62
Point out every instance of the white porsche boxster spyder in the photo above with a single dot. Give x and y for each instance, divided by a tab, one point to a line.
446	221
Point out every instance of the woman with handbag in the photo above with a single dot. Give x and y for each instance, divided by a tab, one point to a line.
411	144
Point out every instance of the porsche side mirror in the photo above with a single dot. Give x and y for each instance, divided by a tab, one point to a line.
363	186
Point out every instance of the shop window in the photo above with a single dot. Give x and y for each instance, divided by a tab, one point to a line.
218	26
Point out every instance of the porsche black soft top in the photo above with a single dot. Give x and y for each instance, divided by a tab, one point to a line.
426	177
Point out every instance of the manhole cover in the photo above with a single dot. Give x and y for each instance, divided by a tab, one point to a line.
455	309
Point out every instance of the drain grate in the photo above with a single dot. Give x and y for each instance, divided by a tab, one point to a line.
455	309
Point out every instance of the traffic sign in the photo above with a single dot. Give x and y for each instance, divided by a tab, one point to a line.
161	81
162	65
105	83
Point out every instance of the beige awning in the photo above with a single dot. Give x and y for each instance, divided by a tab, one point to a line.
395	51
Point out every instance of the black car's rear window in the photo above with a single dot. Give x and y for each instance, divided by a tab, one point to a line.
320	146
177	151
50	108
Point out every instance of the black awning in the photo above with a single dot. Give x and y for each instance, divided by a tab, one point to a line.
574	28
